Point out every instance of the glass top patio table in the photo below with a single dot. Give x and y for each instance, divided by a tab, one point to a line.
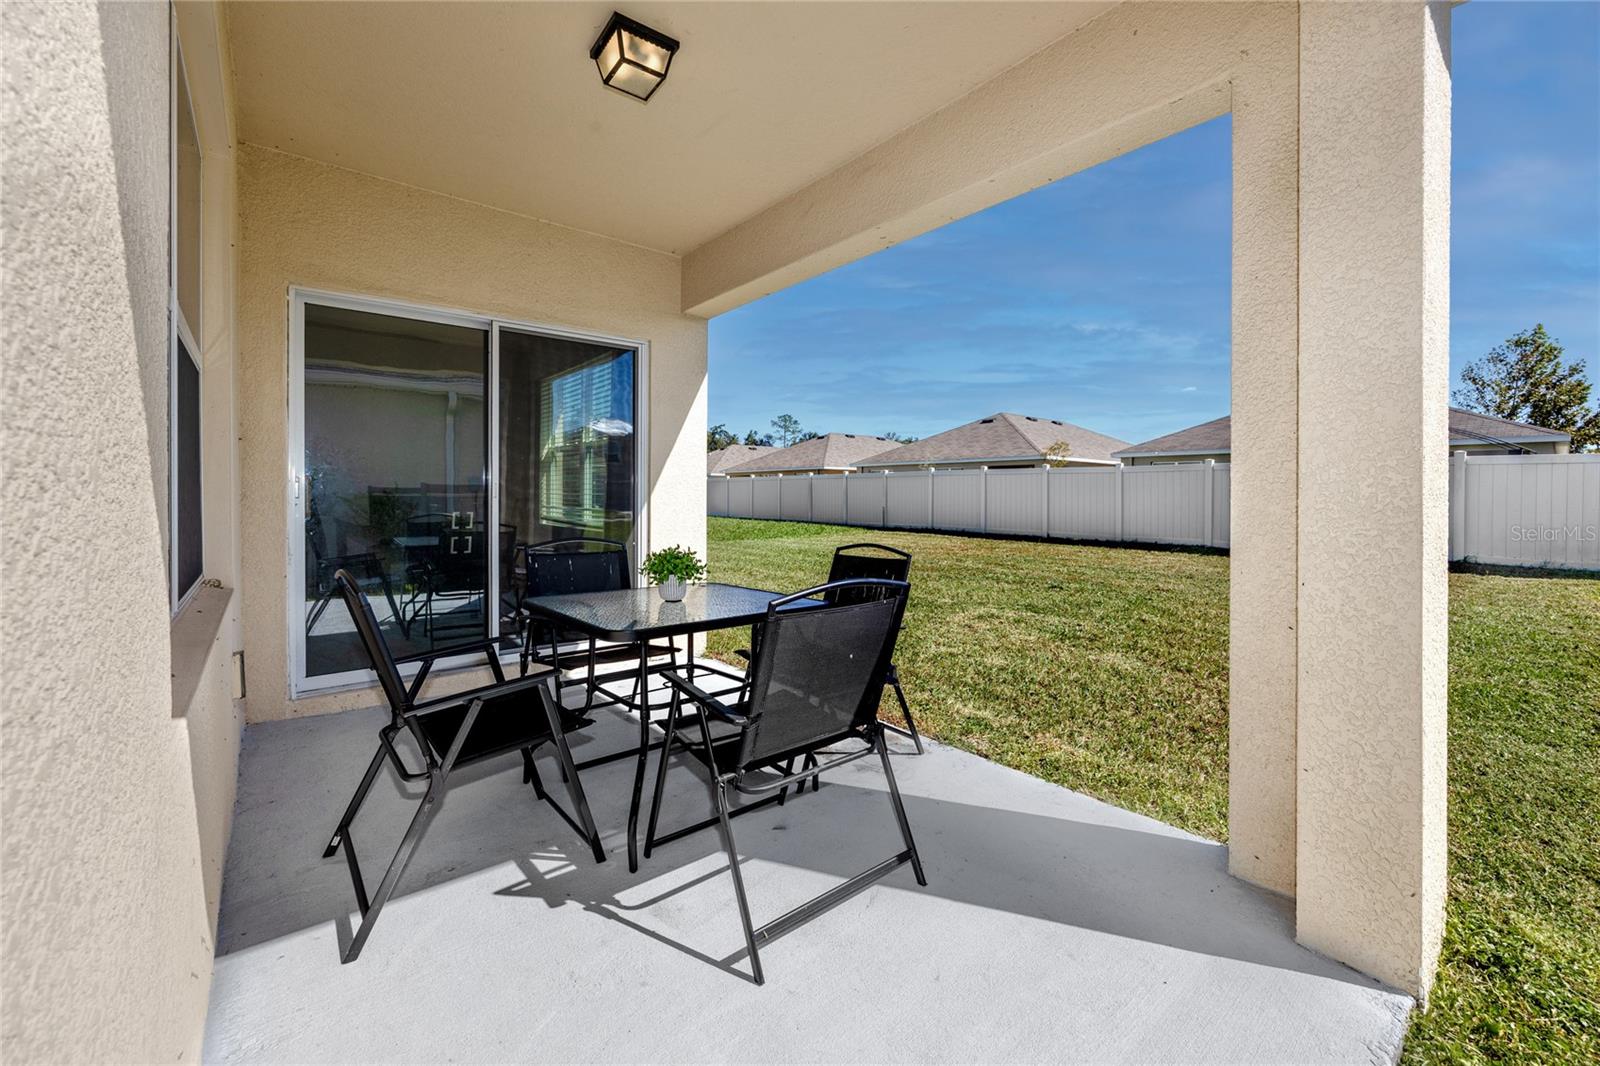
640	614
637	614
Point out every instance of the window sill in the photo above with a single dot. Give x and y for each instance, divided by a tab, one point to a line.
195	633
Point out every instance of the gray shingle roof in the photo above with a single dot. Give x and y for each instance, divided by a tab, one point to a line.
1213	436
1002	437
717	462
834	451
1466	427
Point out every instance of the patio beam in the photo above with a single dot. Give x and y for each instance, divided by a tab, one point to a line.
1136	74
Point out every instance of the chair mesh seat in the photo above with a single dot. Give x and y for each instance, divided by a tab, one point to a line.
505	723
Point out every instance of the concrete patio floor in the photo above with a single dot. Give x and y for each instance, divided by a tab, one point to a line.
1054	927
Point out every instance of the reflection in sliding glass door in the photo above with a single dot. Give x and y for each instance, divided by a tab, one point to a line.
565	447
395	482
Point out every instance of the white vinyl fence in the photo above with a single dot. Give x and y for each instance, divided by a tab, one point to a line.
1148	504
1517	510
1526	510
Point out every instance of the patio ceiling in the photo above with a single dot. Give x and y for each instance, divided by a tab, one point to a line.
500	104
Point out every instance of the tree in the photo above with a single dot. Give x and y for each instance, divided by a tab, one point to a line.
900	438
718	438
808	434
1527	379
758	440
1057	453
788	427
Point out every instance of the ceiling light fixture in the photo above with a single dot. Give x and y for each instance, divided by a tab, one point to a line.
632	57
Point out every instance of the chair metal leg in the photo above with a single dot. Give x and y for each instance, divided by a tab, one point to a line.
580	802
355	803
438	775
905	709
719	792
661	772
900	811
788	769
397	866
530	773
588	683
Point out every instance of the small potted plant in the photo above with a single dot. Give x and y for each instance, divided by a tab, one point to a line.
672	570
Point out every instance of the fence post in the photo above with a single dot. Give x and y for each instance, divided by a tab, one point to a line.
983	499
930	496
1045	525
1119	501
811	497
1211	502
844	487
1458	505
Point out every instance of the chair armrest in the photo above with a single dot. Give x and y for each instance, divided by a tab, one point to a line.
743	653
486	692
705	699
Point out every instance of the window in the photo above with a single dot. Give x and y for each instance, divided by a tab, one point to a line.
185	525
584	454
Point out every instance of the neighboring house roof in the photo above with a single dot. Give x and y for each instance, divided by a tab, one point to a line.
1469	427
717	462
834	451
1002	437
1466	427
1213	436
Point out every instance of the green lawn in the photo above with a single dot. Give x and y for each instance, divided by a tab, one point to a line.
1106	670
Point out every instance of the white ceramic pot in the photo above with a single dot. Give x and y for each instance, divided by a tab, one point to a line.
672	589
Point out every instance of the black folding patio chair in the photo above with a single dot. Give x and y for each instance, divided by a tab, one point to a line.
452	732
815	683
883	563
581	564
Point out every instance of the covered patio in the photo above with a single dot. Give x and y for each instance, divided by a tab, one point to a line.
1053	928
225	211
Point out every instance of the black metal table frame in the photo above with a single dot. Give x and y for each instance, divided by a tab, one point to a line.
643	671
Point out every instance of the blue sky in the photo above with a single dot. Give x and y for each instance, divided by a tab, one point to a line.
1102	299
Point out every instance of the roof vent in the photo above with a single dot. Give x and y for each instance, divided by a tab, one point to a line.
1057	422
1030	418
984	421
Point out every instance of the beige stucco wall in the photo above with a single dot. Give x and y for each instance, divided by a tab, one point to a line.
206	635
107	948
308	224
1375	114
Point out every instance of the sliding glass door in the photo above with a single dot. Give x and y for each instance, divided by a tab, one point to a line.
433	449
395	482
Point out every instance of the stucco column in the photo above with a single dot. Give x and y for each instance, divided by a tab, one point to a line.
1263	637
1373	476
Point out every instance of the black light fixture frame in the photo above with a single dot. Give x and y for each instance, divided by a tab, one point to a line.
619	21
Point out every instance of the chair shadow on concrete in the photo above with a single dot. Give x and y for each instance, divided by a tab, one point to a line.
1033	850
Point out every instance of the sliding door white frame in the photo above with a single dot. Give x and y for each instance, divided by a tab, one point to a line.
299	683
